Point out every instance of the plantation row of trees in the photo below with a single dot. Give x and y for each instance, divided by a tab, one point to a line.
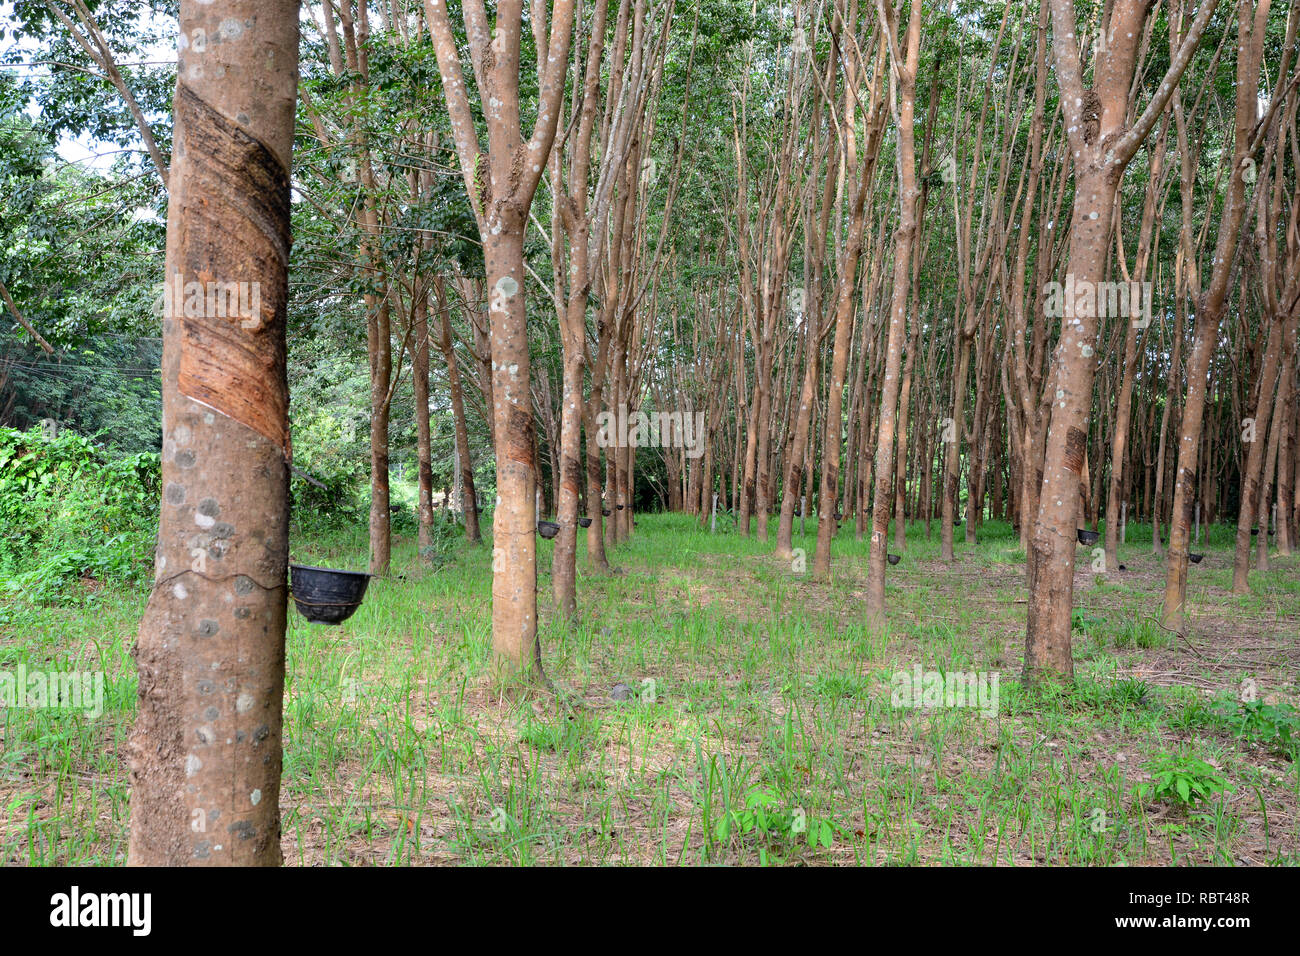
934	260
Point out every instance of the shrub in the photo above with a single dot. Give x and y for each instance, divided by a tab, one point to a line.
1274	726
1181	780
67	512
328	450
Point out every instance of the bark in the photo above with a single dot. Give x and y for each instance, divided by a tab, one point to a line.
468	493
1251	19
423	451
1285	473
577	222
1271	462
205	754
827	522
1123	409
1281	290
379	346
1102	145
501	200
908	194
1249	514
952	444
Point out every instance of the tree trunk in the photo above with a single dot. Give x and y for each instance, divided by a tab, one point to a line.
1250	513
501	200
424	453
1210	309
381	366
953	430
468	493
1102	143
803	420
205	755
515	646
564	560
908	194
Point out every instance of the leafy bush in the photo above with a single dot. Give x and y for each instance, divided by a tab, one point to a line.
402	518
1081	620
330	495
68	512
446	533
764	818
1181	780
1275	726
330	451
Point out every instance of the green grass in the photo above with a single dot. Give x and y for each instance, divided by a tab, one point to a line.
759	698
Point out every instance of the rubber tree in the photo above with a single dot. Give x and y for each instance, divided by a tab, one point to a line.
864	167
582	210
423	439
1101	145
815	328
468	493
501	183
1124	405
967	316
1251	23
1280	305
572	205
205	754
904	63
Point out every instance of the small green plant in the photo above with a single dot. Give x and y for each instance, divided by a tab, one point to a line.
1182	780
1130	692
840	685
445	535
1193	714
53	581
1147	633
762	816
559	736
1276	726
1081	620
570	736
403	518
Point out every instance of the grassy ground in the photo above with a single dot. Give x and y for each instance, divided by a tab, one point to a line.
760	726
